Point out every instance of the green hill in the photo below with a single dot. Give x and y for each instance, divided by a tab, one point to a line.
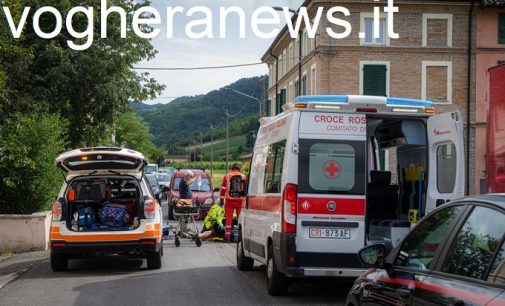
188	119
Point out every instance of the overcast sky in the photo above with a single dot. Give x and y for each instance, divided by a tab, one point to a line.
182	51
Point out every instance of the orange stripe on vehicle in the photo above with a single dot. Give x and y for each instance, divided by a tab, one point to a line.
105	238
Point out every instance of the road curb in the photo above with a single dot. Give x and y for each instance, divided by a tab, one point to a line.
7	279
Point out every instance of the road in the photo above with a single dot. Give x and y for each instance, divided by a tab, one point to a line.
189	276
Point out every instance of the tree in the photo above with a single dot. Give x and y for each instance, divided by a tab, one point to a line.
28	147
90	88
131	129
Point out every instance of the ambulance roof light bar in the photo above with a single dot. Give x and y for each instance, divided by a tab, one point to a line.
340	102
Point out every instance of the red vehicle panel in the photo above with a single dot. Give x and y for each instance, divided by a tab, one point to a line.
495	155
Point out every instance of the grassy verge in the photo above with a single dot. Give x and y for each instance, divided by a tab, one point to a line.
217	177
6	252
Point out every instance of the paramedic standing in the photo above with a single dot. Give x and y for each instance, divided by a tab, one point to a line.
230	204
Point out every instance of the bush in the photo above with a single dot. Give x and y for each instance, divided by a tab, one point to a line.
28	146
217	165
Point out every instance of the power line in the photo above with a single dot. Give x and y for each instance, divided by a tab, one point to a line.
197	68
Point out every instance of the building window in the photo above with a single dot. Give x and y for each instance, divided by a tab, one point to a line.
502	62
313	80
366	34
436	82
290	56
297	88
304	84
437	30
281	100
374	78
501	28
291	93
285	63
269	108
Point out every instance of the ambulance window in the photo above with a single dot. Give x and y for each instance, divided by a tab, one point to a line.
332	167
273	171
446	167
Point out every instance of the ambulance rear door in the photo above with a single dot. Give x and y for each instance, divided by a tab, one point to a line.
446	177
331	187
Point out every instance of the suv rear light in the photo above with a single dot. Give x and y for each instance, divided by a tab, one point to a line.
149	209
289	203
56	211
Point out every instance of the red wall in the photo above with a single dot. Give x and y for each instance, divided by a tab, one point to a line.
495	159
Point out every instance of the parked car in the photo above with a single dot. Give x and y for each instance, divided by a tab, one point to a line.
201	188
105	206
151	168
153	182
454	256
168	170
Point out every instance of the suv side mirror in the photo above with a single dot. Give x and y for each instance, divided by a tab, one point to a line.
373	256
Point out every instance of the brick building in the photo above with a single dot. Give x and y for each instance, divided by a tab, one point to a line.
430	60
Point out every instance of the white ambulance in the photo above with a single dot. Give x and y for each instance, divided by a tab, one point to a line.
332	174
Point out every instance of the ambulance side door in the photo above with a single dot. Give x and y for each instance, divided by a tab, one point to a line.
446	177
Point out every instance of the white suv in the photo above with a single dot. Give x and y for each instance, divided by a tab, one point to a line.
105	206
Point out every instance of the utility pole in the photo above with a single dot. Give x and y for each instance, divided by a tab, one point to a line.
201	150
211	149
227	140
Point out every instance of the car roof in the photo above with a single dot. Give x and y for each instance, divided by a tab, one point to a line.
200	172
497	199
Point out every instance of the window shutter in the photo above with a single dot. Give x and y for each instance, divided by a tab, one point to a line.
374	80
501	28
277	103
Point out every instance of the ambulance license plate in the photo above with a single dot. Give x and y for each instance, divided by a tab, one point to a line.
331	233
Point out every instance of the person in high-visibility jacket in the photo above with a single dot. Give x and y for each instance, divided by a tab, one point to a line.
213	226
230	204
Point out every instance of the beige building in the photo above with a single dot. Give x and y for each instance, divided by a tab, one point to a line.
430	60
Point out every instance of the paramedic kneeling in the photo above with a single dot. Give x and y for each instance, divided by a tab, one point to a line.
213	226
230	204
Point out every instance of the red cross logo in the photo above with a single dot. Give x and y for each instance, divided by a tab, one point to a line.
332	169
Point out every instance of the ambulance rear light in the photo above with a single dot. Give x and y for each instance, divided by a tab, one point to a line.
149	209
56	210
405	110
289	203
326	107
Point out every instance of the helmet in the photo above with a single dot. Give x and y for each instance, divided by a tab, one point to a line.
235	166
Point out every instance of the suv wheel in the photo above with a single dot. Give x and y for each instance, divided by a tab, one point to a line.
154	260
277	283
59	262
243	263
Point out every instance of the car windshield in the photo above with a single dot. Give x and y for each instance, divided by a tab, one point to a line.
163	177
151	168
200	185
152	180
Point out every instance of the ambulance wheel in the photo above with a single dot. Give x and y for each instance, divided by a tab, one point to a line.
154	260
59	262
277	283
244	263
198	242
177	241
